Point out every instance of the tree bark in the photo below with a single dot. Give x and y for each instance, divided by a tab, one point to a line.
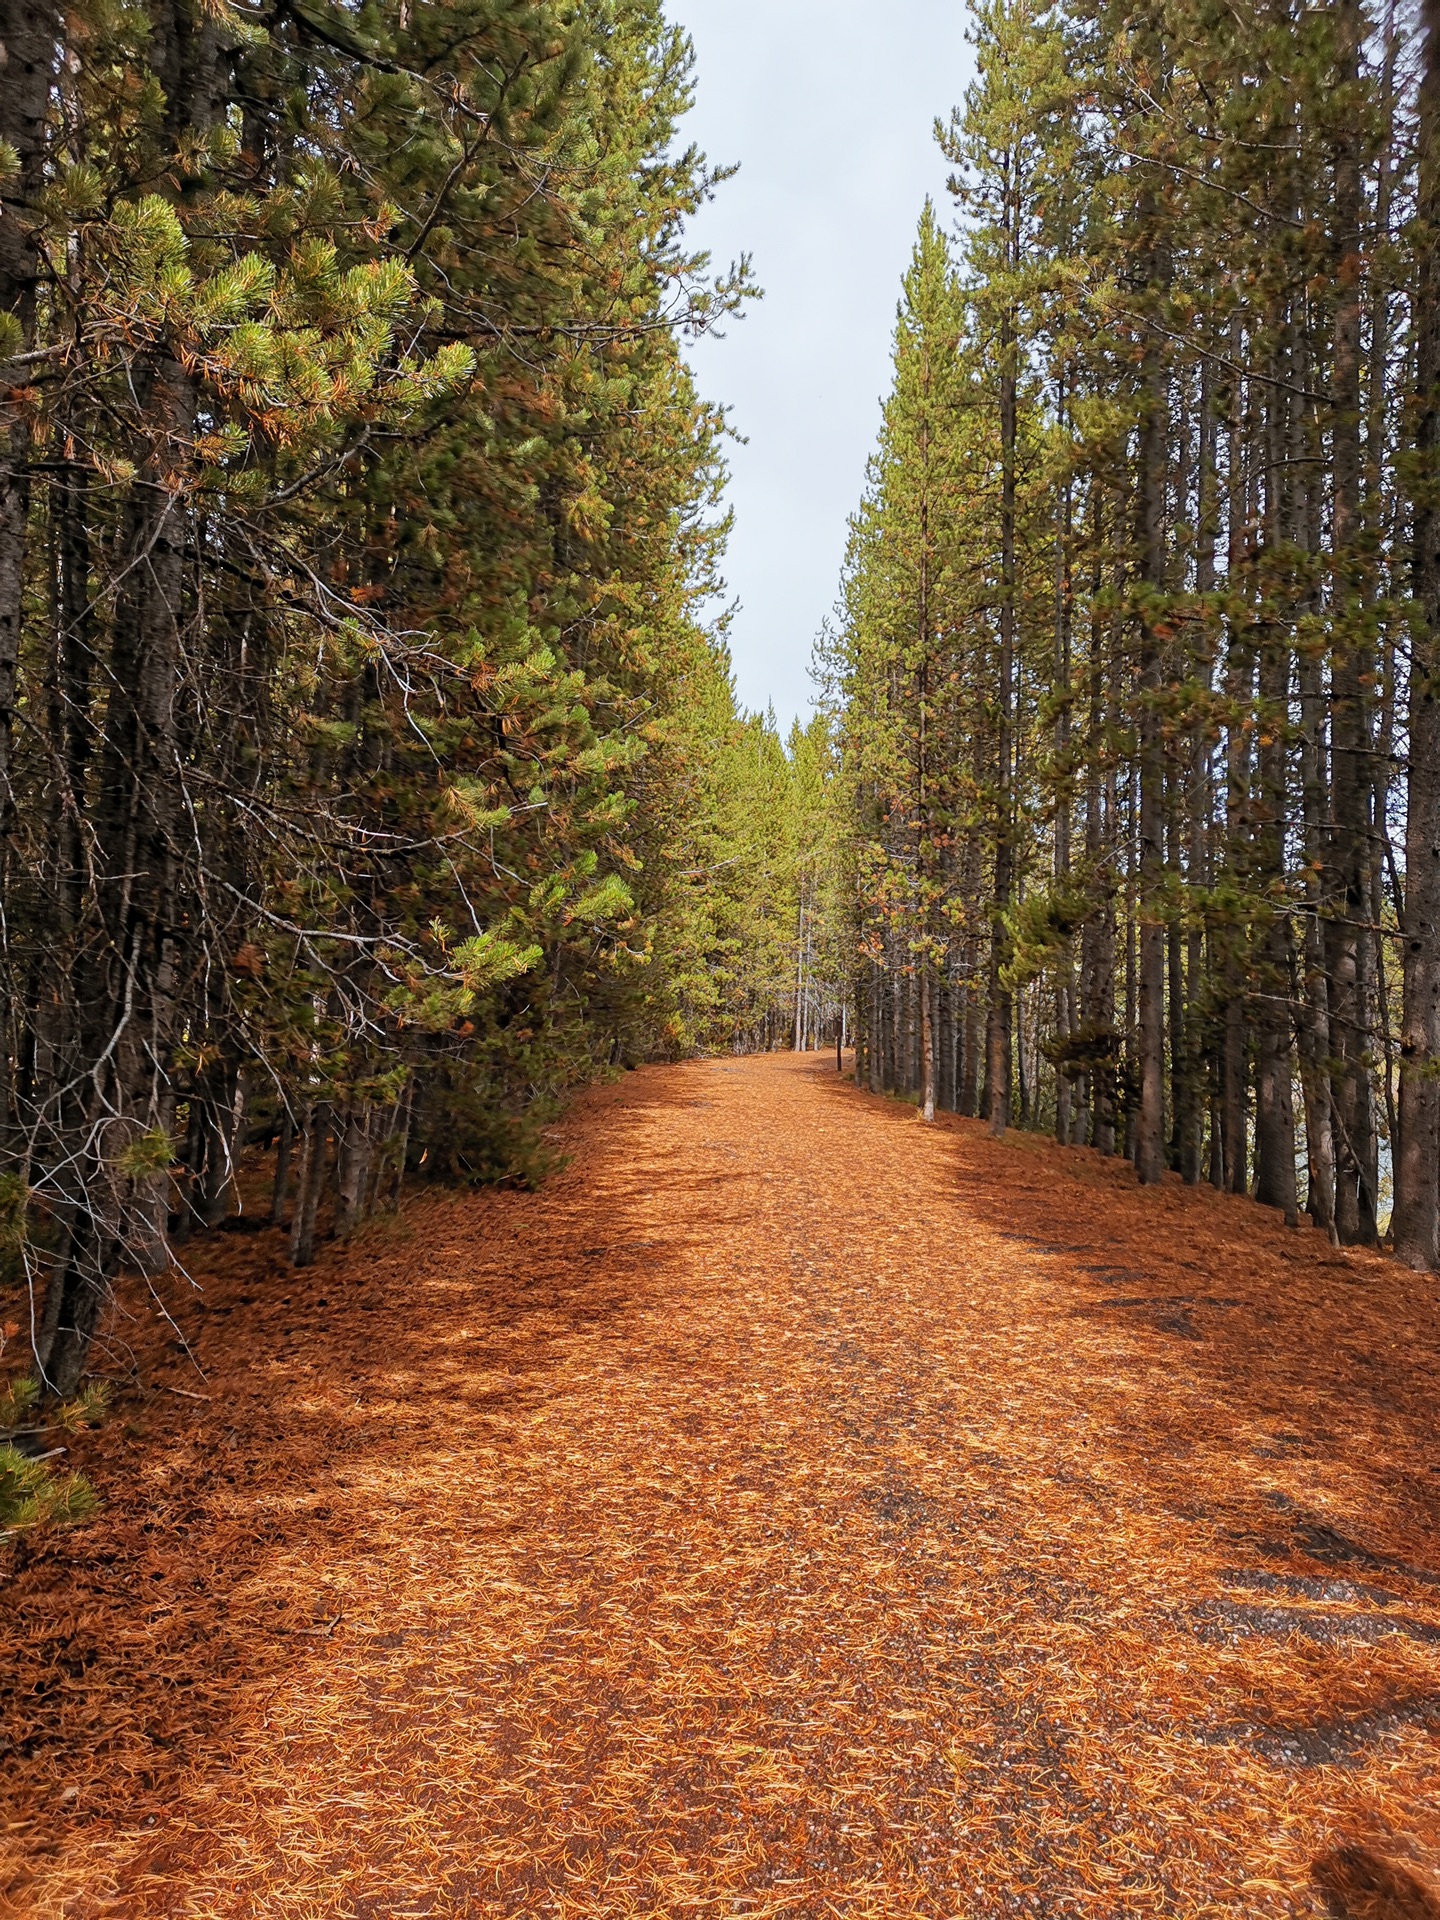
927	1043
1349	848
280	1188
353	1168
29	34
999	1049
1149	1140
1274	1099
1417	1162
315	1127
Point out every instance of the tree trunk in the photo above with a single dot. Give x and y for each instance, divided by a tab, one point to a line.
1349	876
1417	1161
78	1295
1064	620
280	1190
29	34
1199	798
927	1043
1274	1099
315	1127
1149	1138
353	1169
999	1040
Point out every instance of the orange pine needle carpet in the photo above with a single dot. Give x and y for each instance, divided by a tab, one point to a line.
790	1510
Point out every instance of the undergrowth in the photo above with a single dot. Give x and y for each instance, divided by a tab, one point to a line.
31	1495
33	1492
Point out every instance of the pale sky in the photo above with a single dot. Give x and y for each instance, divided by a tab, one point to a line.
828	106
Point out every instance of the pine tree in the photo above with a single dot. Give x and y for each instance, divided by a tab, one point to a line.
361	509
1182	237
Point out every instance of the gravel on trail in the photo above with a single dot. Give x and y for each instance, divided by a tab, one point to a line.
789	1509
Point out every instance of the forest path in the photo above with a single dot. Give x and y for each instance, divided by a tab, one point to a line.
789	1510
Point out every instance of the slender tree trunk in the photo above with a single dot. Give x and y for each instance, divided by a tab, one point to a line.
876	1043
1097	940
1349	879
280	1191
970	1069
315	1128
1192	1014
402	1144
1065	988
79	1292
1274	1099
927	1043
75	649
1199	798
353	1167
944	1039
1240	694
1307	450
29	35
799	1037
227	1128
1149	1139
999	1068
1417	1163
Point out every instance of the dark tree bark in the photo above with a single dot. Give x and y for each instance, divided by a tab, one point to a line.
999	1039
1065	989
1149	1136
1198	800
280	1187
28	50
1239	693
1314	1020
1417	1162
1350	834
1274	1100
315	1133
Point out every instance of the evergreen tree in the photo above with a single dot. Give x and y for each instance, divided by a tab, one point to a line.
356	511
1196	256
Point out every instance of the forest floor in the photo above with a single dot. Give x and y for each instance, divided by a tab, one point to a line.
789	1510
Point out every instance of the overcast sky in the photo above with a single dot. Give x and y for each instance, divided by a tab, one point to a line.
828	106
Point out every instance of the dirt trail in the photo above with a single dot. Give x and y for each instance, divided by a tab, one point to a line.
789	1510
